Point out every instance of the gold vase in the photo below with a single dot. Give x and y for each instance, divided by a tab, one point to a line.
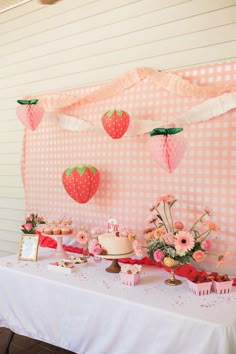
172	280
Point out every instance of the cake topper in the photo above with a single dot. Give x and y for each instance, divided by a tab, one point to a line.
112	225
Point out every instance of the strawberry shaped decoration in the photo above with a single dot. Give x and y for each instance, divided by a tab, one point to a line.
115	123
81	182
29	113
167	147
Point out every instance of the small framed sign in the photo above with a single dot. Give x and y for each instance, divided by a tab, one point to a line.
28	248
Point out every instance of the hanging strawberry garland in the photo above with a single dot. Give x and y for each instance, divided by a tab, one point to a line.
167	146
81	182
29	113
116	122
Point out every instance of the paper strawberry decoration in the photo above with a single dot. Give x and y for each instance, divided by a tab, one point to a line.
167	147
81	182
115	123
29	113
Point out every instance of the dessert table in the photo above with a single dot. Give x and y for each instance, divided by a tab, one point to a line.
91	312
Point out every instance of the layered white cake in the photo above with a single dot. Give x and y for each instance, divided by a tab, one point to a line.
115	245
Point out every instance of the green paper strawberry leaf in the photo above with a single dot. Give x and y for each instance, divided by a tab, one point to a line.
80	169
119	113
29	102
69	170
165	131
110	113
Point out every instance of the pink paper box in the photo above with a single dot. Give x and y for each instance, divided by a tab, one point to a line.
222	287
129	279
201	288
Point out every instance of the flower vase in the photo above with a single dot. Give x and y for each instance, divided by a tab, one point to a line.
172	280
85	251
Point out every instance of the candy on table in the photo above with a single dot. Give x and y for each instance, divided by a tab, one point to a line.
62	266
77	260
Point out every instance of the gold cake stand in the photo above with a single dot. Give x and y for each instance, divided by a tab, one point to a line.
114	267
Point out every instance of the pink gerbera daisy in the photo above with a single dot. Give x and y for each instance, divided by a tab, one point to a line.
166	199
158	233
184	241
211	225
82	237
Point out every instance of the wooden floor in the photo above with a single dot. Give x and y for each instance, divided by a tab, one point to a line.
24	345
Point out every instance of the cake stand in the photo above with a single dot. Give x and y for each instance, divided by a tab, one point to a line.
114	267
59	251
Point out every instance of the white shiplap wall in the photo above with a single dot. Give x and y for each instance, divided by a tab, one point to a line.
75	43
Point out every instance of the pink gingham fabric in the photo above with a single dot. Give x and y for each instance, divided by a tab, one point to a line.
130	179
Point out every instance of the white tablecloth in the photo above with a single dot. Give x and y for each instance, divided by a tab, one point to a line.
91	312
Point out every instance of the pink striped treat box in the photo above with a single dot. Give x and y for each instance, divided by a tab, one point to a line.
129	279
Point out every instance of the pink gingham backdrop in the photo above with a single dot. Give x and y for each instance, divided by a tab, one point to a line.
130	180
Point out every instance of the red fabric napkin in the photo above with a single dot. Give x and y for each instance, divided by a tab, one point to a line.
185	270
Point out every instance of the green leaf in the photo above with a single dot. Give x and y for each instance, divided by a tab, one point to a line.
158	131
69	170
29	102
174	130
110	113
81	169
119	113
159	217
196	232
165	131
172	203
92	169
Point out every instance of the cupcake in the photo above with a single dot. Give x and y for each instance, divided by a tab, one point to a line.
66	230
47	230
56	230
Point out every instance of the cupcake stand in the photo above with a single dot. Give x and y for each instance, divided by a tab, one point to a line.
114	267
59	251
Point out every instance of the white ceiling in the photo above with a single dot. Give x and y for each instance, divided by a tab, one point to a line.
6	5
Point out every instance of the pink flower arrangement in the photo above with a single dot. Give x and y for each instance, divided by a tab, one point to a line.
169	241
87	238
31	222
95	248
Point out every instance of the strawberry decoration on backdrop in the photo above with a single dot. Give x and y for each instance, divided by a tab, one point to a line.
30	113
115	123
81	182
167	147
